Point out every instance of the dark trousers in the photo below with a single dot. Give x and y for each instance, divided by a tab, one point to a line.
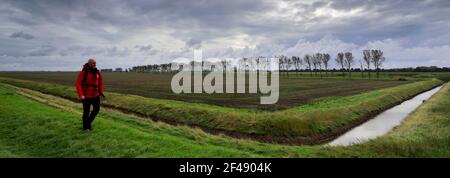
89	118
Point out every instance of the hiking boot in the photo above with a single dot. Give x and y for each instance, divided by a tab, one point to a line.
91	126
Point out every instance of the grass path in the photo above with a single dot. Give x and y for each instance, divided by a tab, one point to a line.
29	128
34	129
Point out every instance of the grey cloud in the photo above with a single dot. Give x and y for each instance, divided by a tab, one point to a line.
146	49
193	43
100	51
107	27
44	50
22	35
115	51
143	48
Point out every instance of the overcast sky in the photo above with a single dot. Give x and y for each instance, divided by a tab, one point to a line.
63	34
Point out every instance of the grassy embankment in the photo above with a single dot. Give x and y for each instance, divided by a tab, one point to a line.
325	118
445	76
33	129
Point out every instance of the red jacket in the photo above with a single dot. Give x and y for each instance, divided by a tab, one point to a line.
93	86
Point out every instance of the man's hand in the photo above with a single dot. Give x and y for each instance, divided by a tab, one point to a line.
82	97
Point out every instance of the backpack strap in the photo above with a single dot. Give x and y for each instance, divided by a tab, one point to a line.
83	83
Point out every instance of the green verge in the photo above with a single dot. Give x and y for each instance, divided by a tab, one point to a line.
33	129
424	133
320	117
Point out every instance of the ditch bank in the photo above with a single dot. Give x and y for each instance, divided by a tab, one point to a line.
384	122
296	126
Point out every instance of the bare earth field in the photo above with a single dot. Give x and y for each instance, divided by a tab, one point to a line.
294	90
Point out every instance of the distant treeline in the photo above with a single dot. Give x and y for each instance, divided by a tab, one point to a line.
151	68
420	69
116	70
316	64
157	68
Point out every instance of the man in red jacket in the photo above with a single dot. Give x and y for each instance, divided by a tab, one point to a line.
89	87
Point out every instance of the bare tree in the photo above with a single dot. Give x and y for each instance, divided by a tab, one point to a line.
315	62
340	62
349	62
377	60
285	64
367	59
262	63
243	64
281	63
325	60
362	68
308	62
225	63
318	59
288	65
298	62
253	63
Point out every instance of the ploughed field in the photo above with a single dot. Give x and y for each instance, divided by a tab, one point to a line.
294	90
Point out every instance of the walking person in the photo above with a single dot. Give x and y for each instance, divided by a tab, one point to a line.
90	87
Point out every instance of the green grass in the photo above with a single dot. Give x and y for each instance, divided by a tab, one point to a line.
425	133
33	129
321	117
444	76
45	131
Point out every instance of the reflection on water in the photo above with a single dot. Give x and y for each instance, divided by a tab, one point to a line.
382	123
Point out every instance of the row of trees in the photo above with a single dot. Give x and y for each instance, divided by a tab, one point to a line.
316	62
319	62
313	63
151	68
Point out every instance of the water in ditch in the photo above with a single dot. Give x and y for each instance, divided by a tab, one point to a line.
383	122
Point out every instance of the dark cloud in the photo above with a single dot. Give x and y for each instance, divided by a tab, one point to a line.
44	50
146	49
116	51
164	28
193	43
21	35
143	48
